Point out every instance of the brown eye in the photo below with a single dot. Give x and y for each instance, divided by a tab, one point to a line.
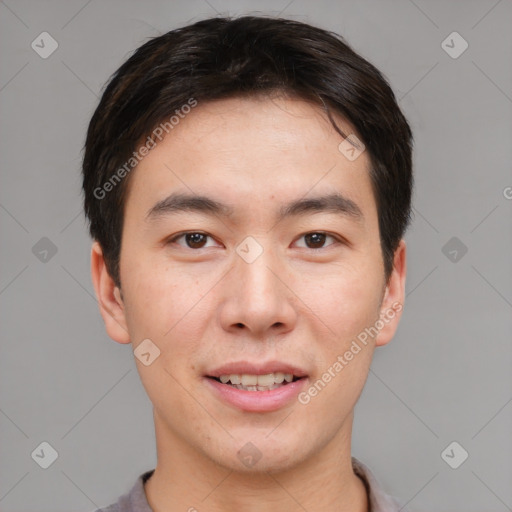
191	240
315	240
195	240
318	240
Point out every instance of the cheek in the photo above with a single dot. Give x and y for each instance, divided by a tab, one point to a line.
169	307
346	304
343	311
157	298
343	303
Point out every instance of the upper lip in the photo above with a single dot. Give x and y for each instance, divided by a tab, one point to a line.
248	368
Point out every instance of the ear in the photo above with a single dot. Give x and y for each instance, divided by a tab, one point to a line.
109	297
394	296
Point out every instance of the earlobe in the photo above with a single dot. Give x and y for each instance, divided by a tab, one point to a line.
394	296
109	297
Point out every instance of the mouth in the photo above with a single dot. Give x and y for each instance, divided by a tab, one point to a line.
257	387
253	382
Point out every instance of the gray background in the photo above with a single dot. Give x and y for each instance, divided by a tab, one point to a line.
445	377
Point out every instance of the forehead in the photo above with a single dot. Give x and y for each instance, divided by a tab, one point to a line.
251	150
282	123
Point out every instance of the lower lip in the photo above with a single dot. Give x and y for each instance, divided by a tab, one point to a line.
258	401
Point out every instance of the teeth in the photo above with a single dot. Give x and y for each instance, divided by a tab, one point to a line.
253	382
257	388
266	380
278	377
249	380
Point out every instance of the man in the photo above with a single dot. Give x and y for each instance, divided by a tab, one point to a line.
248	183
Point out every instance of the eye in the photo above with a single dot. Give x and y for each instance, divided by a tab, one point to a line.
198	240
316	239
193	239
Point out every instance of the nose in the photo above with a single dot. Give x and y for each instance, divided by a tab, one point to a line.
257	297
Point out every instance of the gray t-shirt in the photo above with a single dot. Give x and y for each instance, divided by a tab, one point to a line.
135	500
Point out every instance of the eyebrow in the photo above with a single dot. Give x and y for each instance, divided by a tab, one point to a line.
331	203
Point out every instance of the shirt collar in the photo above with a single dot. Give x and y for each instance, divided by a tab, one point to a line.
379	501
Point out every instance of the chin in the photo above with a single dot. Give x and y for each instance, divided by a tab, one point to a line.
260	452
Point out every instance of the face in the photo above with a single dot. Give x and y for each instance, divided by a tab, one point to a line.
276	269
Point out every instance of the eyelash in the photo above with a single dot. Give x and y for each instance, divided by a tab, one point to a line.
337	239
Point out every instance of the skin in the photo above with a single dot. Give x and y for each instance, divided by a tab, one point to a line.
298	302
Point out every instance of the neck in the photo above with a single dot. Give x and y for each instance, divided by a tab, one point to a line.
186	480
